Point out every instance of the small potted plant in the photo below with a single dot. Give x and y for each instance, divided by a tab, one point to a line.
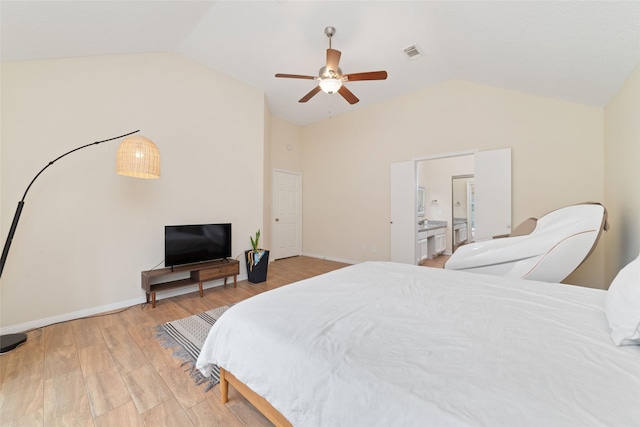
257	260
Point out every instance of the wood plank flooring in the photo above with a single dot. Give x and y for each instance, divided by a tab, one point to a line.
110	370
437	262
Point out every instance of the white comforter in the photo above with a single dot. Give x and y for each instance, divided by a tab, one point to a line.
384	344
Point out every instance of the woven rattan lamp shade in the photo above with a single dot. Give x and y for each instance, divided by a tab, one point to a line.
138	157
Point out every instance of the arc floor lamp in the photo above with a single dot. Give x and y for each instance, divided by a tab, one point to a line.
137	156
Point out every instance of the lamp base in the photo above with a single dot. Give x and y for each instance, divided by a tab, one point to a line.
10	341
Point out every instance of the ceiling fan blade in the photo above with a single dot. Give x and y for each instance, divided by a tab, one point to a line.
295	76
348	95
333	59
372	75
310	94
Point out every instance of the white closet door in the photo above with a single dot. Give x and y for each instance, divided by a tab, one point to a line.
403	212
287	215
492	193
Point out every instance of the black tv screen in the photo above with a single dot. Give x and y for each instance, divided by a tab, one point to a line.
188	244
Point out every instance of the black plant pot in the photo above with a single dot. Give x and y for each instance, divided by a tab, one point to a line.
258	273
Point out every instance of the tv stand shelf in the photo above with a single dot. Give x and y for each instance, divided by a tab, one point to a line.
199	273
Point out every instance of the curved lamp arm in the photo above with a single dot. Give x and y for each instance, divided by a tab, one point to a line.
16	217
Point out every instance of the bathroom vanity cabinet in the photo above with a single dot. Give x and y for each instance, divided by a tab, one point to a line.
431	240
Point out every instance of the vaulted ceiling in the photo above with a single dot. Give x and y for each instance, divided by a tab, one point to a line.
573	50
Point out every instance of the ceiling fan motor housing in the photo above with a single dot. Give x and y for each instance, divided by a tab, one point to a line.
329	74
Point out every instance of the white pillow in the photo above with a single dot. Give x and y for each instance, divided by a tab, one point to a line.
622	305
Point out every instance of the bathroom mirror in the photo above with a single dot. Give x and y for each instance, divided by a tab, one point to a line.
462	210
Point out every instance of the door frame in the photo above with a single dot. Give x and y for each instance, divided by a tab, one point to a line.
416	160
500	228
446	155
401	224
399	229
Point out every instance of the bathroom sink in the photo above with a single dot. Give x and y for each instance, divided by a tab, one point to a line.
432	225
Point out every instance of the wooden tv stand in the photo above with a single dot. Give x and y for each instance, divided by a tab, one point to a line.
199	273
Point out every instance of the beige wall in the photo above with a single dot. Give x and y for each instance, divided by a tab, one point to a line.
86	233
557	150
436	177
265	236
286	145
622	178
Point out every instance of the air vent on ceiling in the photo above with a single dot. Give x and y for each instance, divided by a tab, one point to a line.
412	52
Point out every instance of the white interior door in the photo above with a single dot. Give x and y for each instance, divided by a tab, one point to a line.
492	193
403	212
287	215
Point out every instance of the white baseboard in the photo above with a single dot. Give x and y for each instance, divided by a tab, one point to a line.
46	321
346	261
39	323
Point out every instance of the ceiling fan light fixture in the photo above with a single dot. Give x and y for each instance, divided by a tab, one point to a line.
330	85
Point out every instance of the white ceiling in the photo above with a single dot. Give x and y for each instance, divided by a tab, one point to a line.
573	50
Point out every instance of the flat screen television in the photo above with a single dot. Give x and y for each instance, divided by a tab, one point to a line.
189	244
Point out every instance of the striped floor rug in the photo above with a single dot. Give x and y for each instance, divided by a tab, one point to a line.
187	336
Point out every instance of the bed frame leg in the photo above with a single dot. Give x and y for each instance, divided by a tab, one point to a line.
224	386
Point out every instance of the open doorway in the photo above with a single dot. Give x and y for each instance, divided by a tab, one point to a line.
442	204
491	201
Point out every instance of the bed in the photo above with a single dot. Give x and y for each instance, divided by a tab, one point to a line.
390	344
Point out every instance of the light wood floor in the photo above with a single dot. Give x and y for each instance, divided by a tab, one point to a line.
437	262
112	371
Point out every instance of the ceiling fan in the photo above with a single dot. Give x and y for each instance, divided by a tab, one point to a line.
330	77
